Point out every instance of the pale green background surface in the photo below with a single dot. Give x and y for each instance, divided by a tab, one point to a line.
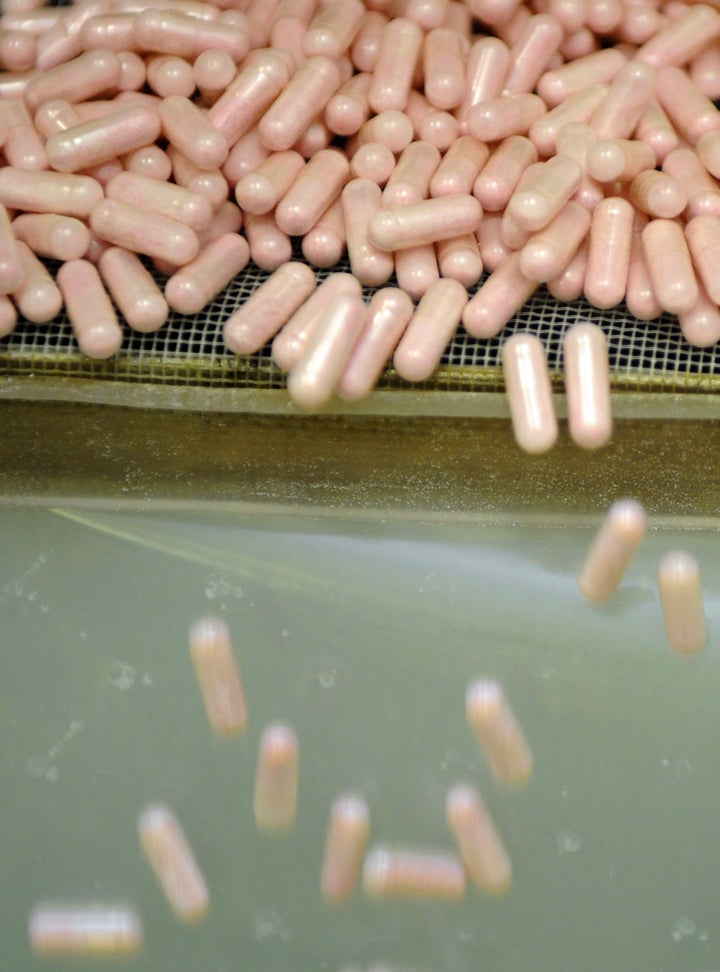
364	634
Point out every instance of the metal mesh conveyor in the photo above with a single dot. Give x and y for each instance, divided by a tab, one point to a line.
189	351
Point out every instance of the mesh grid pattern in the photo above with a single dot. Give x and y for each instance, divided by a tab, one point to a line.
646	356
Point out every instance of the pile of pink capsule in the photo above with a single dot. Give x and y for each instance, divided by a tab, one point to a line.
560	143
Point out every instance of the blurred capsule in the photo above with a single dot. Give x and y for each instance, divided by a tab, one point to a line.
218	675
498	732
173	863
84	931
612	550
276	779
681	597
391	872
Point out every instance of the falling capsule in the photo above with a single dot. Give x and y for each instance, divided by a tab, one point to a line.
498	732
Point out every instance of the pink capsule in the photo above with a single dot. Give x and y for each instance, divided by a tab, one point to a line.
390	128
227	219
700	326
188	128
38	298
314	375
703	195
498	298
174	32
605	16
372	161
599	67
495	12
168	75
490	121
210	183
12	271
348	109
609	252
8	316
85	931
366	46
578	107
486	69
290	344
576	139
345	843
324	243
56	46
334	28
481	848
145	232
196	284
289	25
658	194
112	31
498	179
410	178
433	323
92	142
704	70
440	128
612	550
22	146
394	68
581	44
269	246
416	269
268	308
260	190
218	676
150	161
316	137
703	237
630	91
670	265
529	393
77	80
315	188
459	259
460	167
639	295
361	199
48	235
90	310
532	52
386	318
165	198
619	160
394	872
550	249
429	14
18	50
133	289
572	14
213	71
680	40
540	198
257	85
587	384
276	779
424	222
570	282
639	23
708	150
692	113
443	68
173	863
681	597
305	96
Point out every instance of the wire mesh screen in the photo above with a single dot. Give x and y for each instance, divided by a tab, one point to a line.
644	356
